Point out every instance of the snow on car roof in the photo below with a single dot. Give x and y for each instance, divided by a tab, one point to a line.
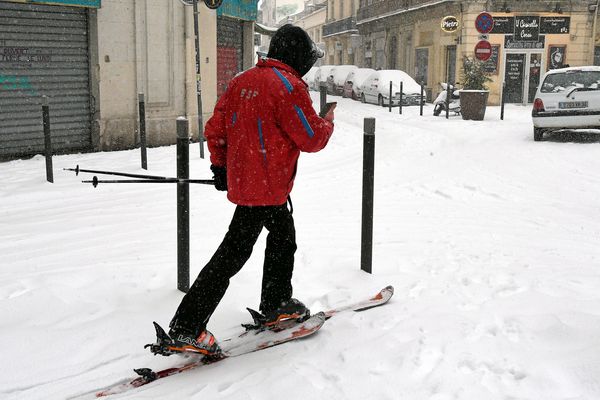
360	75
396	76
340	72
589	68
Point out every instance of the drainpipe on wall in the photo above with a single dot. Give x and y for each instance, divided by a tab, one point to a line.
593	45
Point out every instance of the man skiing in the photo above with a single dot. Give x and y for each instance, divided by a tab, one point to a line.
259	127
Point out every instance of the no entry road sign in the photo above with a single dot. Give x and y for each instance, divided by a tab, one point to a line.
483	50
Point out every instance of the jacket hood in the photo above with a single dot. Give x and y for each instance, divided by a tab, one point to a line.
292	46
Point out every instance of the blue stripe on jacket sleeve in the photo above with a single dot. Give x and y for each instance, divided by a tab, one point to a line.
304	121
287	83
262	139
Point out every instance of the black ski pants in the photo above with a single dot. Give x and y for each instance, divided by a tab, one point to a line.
209	288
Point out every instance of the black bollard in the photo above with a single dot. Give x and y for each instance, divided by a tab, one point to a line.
142	109
390	105
401	97
421	103
448	95
183	205
47	139
366	250
502	102
322	97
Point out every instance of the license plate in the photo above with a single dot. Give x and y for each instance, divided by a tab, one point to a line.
572	104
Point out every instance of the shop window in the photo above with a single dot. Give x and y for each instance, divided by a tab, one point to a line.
451	64
393	53
421	65
597	55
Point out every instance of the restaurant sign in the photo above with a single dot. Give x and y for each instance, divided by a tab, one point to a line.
450	24
511	43
527	28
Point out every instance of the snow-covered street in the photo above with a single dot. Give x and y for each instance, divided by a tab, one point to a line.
491	240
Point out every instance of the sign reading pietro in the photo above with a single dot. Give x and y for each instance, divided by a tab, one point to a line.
450	24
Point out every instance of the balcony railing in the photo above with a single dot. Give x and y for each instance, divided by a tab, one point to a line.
374	8
343	25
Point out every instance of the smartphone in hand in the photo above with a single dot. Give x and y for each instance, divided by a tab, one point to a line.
329	107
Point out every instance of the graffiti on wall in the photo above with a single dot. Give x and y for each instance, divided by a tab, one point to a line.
15	82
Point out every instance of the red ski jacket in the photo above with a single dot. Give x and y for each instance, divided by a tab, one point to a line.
259	127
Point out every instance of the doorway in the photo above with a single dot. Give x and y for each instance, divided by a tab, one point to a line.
522	72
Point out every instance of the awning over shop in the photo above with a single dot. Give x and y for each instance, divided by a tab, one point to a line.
246	10
75	3
264	30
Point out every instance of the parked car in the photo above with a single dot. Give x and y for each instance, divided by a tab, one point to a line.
337	77
353	82
567	98
376	88
321	75
309	77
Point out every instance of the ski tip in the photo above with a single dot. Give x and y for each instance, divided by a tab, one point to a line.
160	332
386	292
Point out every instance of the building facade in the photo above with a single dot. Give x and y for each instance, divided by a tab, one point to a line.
312	20
528	38
340	32
92	58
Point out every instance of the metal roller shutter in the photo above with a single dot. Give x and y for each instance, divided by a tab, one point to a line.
43	51
229	51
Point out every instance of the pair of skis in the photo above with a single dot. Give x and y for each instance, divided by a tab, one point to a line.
248	342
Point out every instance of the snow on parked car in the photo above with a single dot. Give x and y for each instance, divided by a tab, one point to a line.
309	77
337	78
353	82
321	76
376	88
568	98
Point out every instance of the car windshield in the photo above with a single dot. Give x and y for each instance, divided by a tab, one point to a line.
560	82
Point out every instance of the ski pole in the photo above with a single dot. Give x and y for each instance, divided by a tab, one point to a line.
77	170
95	181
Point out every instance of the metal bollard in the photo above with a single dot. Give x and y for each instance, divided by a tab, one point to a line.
503	99
366	250
323	97
421	103
448	95
401	96
390	105
47	139
142	109
183	205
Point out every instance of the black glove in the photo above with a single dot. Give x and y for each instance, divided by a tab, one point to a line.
220	177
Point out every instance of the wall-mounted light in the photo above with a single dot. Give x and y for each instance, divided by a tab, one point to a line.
592	7
505	8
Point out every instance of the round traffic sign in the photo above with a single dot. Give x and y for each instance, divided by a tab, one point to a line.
483	50
484	23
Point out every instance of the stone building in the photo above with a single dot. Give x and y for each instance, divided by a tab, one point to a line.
407	34
91	58
340	33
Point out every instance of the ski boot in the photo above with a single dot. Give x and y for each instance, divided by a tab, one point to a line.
182	342
288	314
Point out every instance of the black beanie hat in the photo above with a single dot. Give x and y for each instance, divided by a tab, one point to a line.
292	46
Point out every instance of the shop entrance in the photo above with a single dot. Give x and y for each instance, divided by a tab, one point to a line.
522	72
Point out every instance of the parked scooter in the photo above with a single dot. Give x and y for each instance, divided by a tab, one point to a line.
439	103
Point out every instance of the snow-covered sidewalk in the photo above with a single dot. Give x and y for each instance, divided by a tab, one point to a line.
490	239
